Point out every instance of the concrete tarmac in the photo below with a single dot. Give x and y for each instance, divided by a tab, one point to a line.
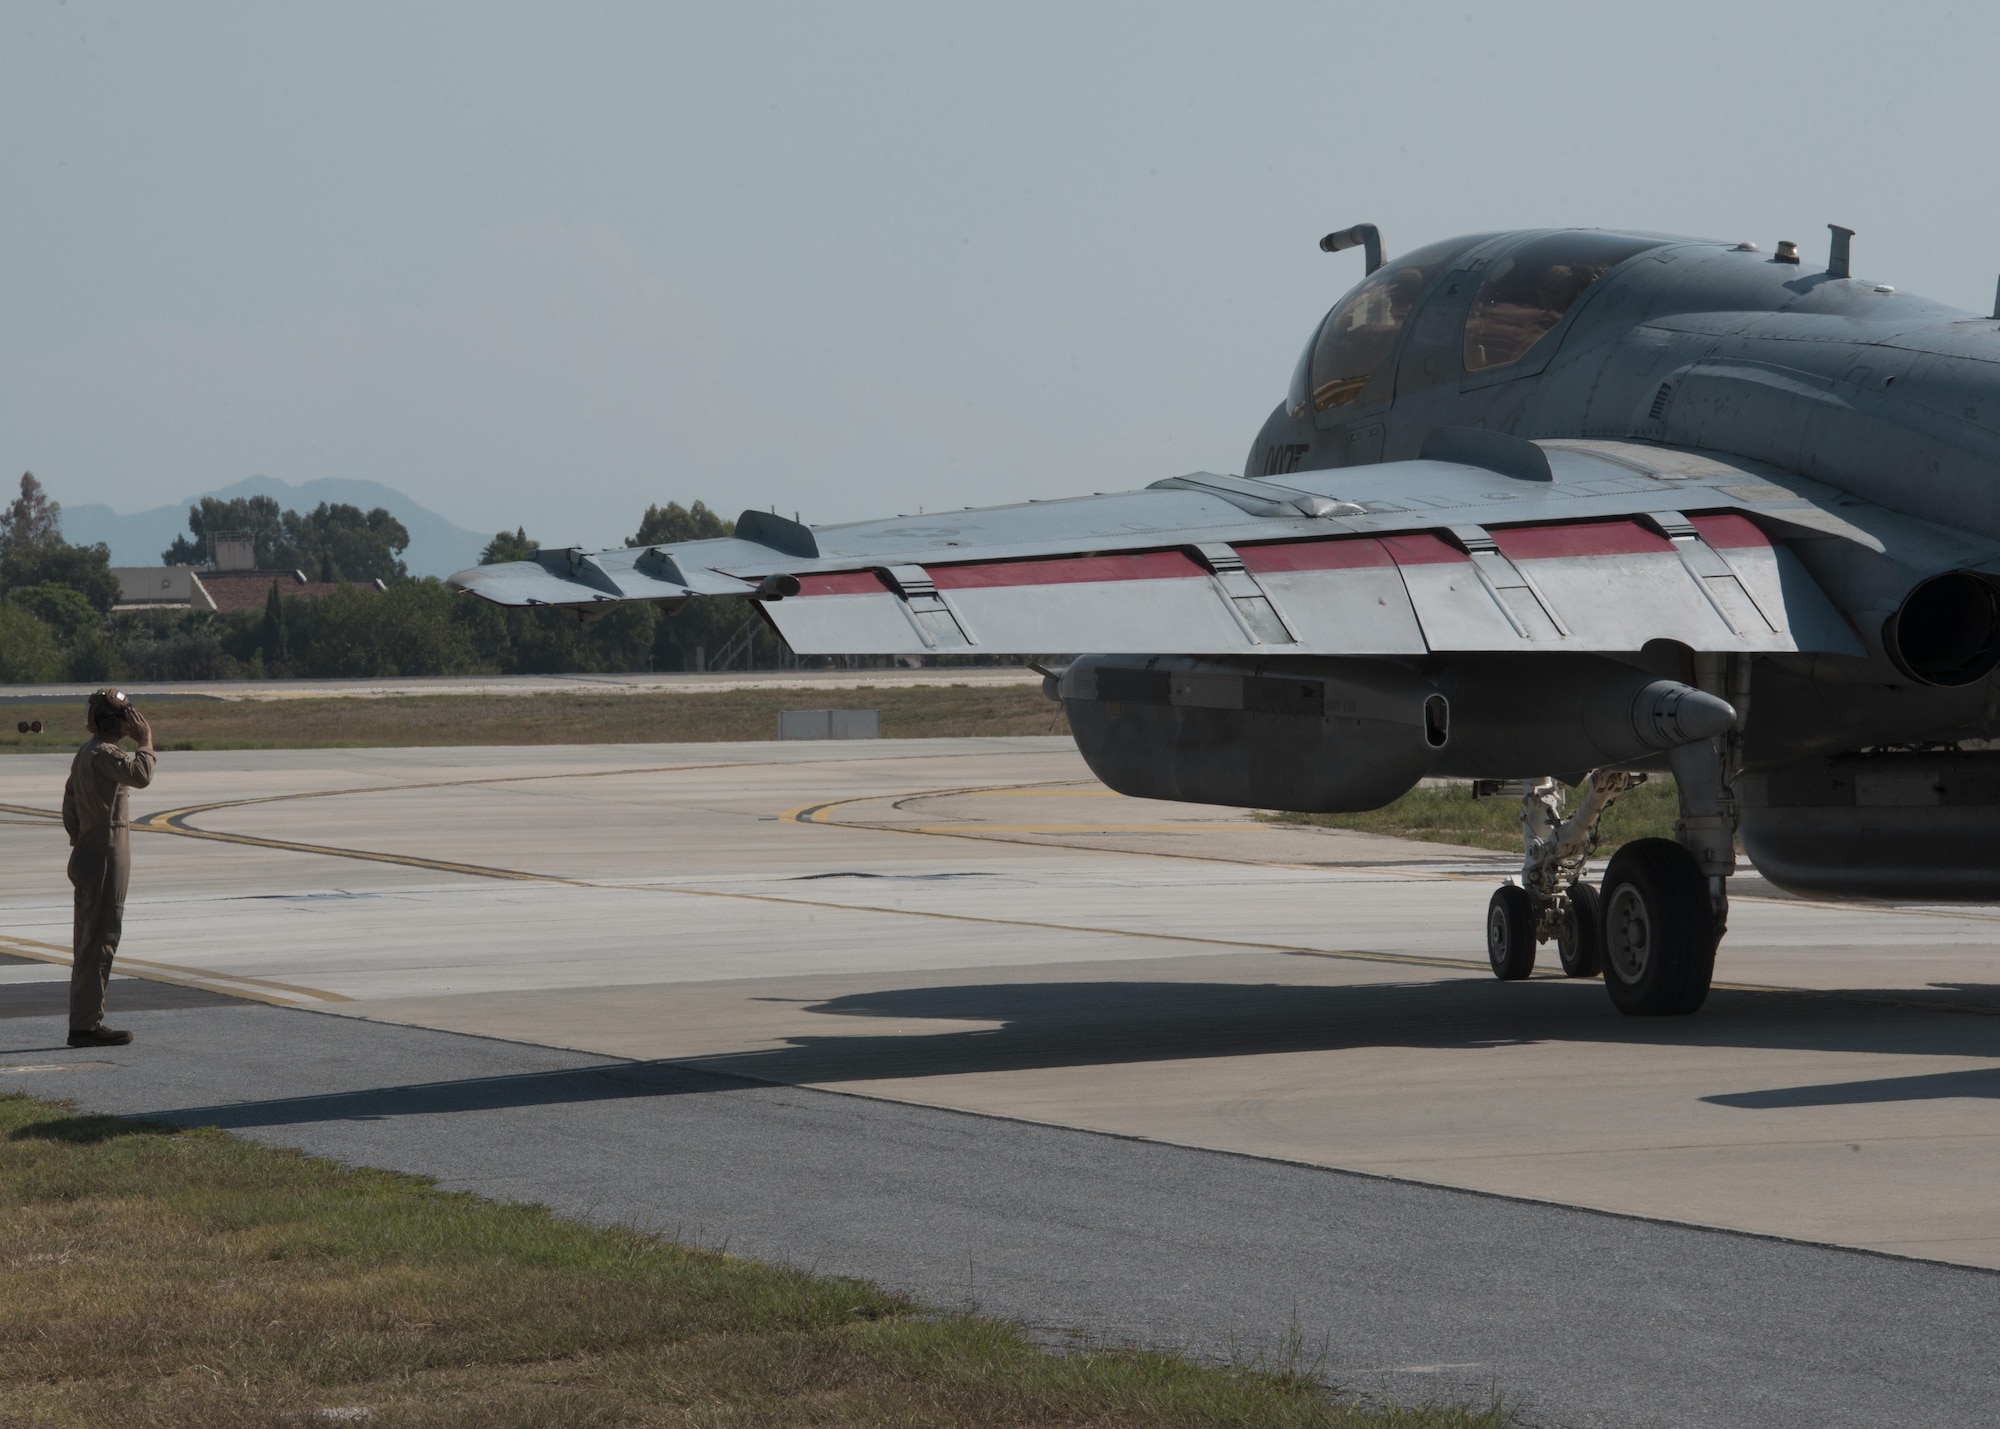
974	925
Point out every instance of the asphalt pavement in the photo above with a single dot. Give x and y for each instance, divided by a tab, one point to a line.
1576	1318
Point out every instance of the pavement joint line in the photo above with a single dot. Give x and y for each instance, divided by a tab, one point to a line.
1052	793
174	973
1072	828
494	779
807	814
1043	787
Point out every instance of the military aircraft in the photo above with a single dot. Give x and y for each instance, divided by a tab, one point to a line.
1548	510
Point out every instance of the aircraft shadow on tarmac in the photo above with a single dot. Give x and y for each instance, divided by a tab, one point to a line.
1073	1024
1974	1082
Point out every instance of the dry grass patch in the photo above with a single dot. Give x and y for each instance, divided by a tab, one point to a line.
183	1278
1450	815
908	712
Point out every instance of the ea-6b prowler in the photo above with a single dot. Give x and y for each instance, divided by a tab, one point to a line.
1555	507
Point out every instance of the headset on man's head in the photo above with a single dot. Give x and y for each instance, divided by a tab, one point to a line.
107	710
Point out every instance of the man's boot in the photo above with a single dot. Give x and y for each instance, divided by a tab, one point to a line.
99	1036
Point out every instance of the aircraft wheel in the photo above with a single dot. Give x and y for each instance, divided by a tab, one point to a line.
1580	934
1510	933
1658	934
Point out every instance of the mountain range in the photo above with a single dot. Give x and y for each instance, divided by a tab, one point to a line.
437	548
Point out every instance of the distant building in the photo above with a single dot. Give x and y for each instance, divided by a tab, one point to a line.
248	590
232	550
232	582
161	588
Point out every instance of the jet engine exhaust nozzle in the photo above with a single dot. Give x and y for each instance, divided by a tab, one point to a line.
1947	630
1667	714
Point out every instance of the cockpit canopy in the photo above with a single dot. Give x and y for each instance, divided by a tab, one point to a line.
1526	293
1521	297
1358	334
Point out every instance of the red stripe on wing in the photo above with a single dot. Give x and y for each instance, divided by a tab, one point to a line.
1592	538
1418	548
1348	553
843	583
1146	566
1729	531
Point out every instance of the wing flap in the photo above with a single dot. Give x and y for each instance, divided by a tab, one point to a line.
1346	594
1159	601
846	614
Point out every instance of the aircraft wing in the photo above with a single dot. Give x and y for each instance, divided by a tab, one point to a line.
1488	543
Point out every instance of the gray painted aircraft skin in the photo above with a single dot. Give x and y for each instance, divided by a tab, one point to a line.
1548	509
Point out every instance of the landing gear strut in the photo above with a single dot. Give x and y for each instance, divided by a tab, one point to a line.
1653	928
1552	900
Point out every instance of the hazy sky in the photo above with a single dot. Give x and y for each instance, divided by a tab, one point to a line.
545	264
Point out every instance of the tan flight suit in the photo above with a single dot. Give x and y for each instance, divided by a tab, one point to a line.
100	863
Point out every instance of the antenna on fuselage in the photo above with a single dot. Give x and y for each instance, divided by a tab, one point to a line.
1837	251
1365	236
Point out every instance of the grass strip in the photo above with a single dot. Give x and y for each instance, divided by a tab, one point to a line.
185	1278
1448	814
400	721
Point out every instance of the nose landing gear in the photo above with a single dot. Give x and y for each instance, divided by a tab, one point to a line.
1652	928
1580	932
1513	930
1510	933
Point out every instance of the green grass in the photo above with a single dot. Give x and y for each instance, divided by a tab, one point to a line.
184	1278
1450	815
908	712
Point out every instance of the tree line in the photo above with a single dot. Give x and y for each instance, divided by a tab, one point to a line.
57	621
331	543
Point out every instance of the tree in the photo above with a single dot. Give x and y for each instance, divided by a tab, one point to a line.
332	542
415	629
343	543
664	524
275	648
31	519
75	624
62	608
33	552
504	547
84	569
28	650
705	623
259	515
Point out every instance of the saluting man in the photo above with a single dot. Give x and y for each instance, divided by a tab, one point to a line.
95	811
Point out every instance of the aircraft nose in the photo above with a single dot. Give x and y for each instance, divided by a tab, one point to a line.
1668	714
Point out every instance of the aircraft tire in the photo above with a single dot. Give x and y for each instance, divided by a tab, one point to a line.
1510	933
1580	935
1657	931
